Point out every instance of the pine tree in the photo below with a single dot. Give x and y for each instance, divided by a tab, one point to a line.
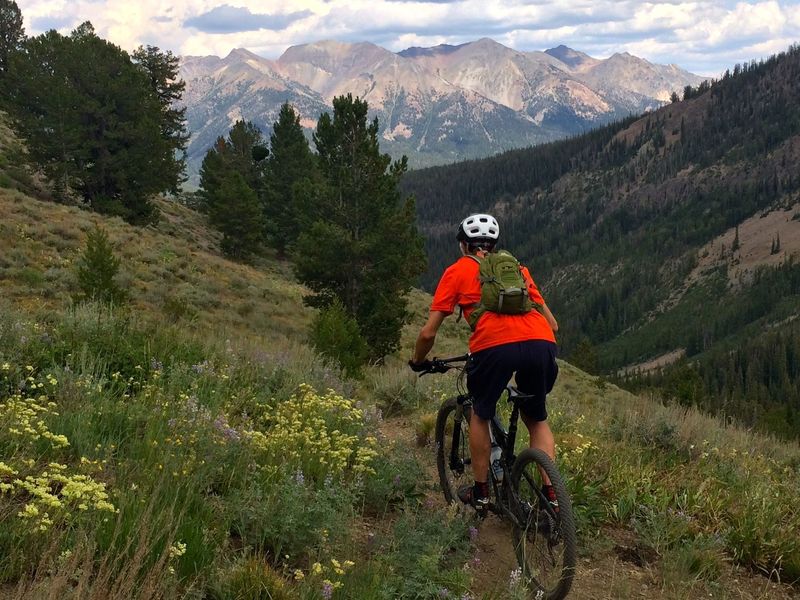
236	212
241	154
98	268
12	33
736	244
91	122
291	174
364	248
162	69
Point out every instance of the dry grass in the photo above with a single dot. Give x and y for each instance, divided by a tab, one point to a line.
173	271
586	397
756	236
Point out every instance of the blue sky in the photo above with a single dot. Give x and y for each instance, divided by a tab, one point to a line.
704	37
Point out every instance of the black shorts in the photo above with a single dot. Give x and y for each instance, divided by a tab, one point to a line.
490	370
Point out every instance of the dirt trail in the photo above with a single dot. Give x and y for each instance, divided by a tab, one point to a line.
615	569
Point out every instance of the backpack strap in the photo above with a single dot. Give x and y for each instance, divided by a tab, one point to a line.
474	304
461	309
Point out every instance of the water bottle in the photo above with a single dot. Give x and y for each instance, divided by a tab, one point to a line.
497	464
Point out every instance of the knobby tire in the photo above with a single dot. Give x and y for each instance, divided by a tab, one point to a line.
444	441
564	524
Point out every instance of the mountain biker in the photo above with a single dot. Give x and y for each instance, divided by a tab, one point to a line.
500	346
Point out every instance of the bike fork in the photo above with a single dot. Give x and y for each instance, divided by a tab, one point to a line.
456	464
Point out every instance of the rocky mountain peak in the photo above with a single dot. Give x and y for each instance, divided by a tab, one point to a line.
570	57
417	51
436	104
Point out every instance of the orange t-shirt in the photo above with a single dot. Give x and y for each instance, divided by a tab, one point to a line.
460	286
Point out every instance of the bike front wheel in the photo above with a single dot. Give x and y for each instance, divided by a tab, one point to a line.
544	533
453	459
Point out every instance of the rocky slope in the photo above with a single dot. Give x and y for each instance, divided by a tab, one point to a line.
435	104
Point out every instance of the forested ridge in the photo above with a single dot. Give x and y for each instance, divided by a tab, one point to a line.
613	224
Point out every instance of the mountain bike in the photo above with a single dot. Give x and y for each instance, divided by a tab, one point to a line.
543	533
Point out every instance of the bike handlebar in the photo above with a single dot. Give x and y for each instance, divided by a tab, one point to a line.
442	365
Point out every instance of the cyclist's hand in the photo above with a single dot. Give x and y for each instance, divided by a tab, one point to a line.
422	367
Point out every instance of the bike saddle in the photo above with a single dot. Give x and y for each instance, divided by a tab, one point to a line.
515	395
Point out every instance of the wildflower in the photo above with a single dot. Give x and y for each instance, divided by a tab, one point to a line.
515	578
28	512
327	589
299	575
316	568
473	534
177	549
6	367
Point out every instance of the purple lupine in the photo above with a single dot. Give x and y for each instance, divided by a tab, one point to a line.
473	534
201	367
327	590
228	432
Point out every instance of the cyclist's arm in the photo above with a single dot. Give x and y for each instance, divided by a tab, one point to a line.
428	335
536	296
551	320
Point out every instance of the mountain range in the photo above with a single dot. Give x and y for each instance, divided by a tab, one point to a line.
436	105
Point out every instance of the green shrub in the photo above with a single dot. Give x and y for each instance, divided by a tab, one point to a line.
250	579
97	269
30	276
396	391
395	482
287	515
335	334
425	553
177	308
702	557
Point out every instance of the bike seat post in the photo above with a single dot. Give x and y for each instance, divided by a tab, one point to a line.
516	398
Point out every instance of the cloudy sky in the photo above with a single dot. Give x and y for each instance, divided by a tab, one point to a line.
704	37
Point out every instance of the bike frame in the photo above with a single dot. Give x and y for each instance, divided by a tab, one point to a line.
506	439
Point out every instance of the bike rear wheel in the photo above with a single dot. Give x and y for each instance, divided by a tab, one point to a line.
453	459
544	538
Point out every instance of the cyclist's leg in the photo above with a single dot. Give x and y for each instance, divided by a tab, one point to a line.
536	375
540	435
480	447
488	372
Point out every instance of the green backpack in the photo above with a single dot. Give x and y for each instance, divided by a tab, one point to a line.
503	287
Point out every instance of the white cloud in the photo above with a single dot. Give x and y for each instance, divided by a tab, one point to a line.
702	35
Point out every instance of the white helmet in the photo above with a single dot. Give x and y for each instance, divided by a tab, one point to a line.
478	228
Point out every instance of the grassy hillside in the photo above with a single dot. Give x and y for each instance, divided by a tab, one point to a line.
185	446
